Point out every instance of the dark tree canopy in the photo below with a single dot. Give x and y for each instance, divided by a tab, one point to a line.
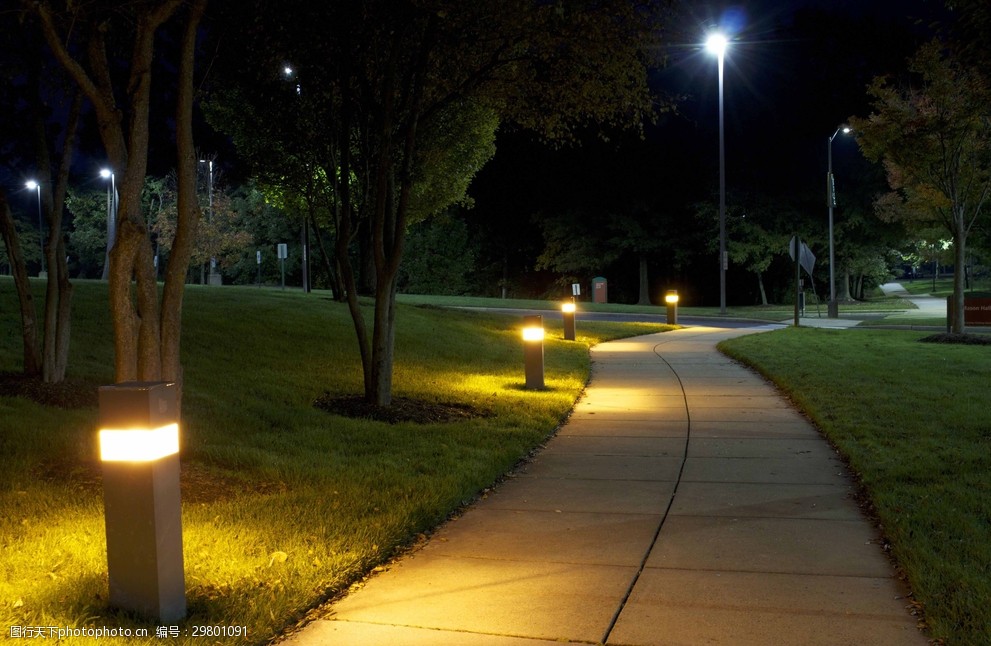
353	103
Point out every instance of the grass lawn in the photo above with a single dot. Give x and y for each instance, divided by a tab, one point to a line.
944	286
913	420
284	505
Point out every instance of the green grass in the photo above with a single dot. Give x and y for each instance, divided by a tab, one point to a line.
912	419
283	505
944	287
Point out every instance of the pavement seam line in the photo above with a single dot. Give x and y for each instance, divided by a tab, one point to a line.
674	492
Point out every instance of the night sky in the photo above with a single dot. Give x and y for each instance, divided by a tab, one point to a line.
793	73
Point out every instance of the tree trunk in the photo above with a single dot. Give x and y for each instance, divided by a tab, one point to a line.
389	219
644	283
843	294
959	325
760	285
188	209
29	324
58	300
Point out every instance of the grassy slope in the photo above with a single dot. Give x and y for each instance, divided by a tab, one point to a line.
283	504
913	420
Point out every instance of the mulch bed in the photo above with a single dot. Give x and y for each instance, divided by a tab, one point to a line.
965	339
69	394
402	409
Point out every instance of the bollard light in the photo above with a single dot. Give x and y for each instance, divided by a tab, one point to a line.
671	300
533	351
139	453
568	315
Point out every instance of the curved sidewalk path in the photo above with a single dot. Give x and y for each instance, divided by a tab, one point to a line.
684	502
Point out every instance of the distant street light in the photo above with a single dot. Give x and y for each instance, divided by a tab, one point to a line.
106	173
716	44
35	186
833	308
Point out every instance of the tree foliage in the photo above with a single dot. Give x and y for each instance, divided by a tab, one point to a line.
933	135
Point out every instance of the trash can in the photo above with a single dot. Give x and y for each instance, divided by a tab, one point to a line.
600	290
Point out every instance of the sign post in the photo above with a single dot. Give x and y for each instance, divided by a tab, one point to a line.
283	254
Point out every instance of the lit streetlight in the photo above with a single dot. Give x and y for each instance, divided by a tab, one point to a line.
833	308
716	44
35	186
106	173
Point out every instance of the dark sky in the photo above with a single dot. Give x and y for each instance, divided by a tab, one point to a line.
794	72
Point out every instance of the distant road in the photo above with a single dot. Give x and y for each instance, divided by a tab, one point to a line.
707	321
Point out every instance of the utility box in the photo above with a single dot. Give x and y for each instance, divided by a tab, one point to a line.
600	290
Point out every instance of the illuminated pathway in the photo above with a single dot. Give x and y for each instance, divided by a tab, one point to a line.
684	502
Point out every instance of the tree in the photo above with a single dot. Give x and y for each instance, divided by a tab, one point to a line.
223	237
90	40
51	142
439	257
934	138
576	245
374	78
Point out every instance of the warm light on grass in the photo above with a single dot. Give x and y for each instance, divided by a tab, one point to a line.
283	504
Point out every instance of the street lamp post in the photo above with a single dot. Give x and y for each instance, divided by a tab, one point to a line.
214	278
35	186
716	44
833	308
106	173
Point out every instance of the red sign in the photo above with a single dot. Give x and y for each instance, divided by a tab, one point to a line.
976	311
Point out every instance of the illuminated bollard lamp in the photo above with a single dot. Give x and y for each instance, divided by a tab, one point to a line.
533	351
568	314
139	451
671	300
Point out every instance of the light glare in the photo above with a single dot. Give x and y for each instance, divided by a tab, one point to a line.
567	307
31	184
533	334
138	445
716	43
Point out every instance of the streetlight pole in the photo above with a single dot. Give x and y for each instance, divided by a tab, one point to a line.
833	308
304	234
35	186
214	278
106	173
716	44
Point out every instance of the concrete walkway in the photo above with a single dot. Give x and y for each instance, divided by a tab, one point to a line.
684	502
927	306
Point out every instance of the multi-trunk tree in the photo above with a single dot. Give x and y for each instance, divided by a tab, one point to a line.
109	51
378	84
46	113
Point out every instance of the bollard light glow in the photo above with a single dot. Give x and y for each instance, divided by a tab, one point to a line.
533	334
567	307
671	297
139	445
